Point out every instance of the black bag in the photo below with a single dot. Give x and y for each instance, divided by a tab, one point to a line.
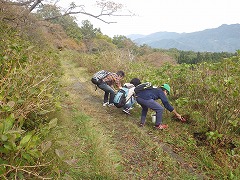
142	87
98	76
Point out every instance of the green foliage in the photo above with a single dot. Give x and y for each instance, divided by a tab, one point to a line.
195	90
213	137
20	150
119	41
47	11
71	27
208	91
123	42
88	31
28	92
67	22
190	57
211	89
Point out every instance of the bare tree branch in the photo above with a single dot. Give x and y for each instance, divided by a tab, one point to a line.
107	8
34	5
88	14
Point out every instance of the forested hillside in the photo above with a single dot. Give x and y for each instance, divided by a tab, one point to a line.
221	39
52	124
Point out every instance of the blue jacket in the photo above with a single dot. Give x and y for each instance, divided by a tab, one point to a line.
155	94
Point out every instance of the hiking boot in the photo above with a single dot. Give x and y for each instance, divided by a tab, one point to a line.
161	126
126	111
111	105
105	104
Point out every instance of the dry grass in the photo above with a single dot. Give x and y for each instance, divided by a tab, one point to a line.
104	143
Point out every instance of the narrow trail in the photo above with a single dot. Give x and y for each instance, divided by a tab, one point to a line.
141	148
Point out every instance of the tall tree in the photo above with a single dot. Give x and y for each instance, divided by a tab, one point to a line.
89	33
67	22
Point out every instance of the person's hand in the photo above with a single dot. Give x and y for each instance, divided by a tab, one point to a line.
178	116
181	118
113	88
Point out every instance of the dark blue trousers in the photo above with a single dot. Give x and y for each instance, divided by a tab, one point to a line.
155	106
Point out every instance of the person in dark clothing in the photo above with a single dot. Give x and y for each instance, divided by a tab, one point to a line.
107	85
146	99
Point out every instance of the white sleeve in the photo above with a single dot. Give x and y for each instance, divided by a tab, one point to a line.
130	92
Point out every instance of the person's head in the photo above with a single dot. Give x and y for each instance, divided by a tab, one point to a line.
135	81
120	74
166	88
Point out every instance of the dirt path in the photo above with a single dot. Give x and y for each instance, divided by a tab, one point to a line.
144	155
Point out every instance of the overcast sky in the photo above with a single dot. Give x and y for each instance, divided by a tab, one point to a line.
164	15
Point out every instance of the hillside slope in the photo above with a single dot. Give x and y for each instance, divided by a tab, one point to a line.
225	38
142	152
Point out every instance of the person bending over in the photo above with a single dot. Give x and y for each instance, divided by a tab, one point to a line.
107	85
146	99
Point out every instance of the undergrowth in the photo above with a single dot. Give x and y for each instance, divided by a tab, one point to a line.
28	93
207	94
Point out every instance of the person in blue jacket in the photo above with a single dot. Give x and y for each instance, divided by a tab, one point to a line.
146	99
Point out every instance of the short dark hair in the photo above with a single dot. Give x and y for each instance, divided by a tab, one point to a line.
120	73
135	81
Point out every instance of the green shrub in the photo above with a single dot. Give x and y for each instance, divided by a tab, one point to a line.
28	92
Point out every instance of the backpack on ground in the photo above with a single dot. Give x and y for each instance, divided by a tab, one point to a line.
142	87
120	97
98	77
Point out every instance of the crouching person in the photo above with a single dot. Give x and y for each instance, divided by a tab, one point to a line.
146	99
107	85
130	97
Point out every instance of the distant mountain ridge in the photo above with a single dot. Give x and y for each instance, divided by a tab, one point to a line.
225	38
